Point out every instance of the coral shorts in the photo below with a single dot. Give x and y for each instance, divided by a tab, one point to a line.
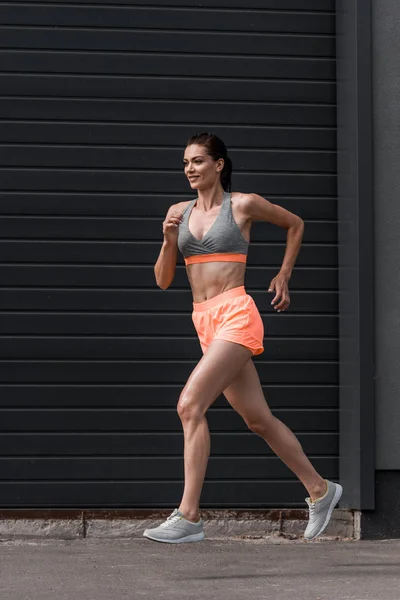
231	316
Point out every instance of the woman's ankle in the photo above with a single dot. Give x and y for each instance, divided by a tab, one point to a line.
191	515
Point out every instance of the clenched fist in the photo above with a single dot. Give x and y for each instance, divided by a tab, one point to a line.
171	226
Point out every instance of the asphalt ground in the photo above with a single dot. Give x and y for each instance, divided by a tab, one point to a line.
116	569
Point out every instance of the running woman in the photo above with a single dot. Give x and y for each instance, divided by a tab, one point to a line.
213	234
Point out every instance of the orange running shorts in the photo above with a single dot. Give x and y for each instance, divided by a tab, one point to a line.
231	316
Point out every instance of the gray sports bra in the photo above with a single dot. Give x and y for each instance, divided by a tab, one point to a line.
222	242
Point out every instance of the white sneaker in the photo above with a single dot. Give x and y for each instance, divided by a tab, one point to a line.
321	510
176	529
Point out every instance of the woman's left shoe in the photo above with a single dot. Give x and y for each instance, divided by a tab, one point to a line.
176	529
320	511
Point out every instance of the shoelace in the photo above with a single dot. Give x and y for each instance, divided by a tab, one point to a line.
311	507
171	521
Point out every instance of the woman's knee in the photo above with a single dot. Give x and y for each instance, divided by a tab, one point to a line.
188	408
261	426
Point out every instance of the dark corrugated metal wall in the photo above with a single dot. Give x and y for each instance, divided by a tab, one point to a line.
97	100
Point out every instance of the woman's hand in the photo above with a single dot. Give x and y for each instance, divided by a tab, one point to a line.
279	284
171	225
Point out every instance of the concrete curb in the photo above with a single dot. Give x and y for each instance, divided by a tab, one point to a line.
276	524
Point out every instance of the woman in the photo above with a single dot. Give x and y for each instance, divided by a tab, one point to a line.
213	232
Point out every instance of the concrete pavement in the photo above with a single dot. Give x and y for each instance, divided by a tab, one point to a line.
267	568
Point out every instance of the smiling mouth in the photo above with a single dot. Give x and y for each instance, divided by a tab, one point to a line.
192	178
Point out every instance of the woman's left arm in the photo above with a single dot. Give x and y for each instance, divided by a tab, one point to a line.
260	209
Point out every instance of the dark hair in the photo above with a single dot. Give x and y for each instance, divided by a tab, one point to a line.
216	149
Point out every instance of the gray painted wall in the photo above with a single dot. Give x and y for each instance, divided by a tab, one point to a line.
386	147
356	253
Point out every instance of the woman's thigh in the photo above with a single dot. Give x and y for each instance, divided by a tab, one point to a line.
246	396
217	368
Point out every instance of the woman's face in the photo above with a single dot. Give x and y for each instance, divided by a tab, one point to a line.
200	169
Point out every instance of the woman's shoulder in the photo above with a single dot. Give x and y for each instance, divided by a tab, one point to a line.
241	197
184	204
180	206
242	201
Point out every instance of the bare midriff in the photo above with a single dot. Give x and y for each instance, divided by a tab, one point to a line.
212	278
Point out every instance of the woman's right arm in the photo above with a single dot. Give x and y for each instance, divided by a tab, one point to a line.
164	269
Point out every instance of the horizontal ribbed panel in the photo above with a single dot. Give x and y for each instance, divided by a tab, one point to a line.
131	204
153	444
139	17
146	347
255	493
149	323
128	229
137	396
121	158
97	100
94	252
68	180
111	276
163	371
149	468
140	300
136	63
142	420
168	88
163	111
265	137
304	5
273	44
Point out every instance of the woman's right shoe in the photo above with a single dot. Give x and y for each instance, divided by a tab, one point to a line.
176	529
320	511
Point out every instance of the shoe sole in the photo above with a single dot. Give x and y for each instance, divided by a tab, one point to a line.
195	537
336	498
